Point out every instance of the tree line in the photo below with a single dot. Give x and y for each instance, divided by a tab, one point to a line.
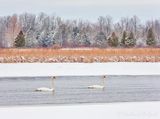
34	31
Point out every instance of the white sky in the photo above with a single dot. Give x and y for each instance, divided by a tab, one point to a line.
84	9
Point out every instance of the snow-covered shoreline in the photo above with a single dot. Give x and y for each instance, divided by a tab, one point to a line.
78	69
132	110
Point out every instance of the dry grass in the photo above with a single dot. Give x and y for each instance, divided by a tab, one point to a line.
79	52
79	55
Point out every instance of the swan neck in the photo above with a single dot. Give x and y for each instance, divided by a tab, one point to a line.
53	85
103	82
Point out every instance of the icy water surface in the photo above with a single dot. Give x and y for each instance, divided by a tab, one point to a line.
73	90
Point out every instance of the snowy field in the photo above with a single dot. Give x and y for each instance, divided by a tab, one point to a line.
78	69
138	110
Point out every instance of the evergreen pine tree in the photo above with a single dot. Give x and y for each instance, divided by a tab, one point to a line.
130	41
124	36
101	40
113	40
46	39
20	40
85	41
150	38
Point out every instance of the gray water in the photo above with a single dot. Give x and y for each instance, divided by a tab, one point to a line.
73	90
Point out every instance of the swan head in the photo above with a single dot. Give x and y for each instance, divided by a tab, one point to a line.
104	76
53	77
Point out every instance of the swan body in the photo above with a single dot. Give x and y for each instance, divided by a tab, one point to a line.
44	89
96	87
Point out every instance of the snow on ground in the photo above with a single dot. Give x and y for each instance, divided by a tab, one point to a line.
80	69
139	110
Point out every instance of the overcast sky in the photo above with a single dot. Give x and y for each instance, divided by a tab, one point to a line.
84	9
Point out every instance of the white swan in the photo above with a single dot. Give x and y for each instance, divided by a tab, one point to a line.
98	86
44	89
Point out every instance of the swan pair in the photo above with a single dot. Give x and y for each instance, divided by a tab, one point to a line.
98	86
44	89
